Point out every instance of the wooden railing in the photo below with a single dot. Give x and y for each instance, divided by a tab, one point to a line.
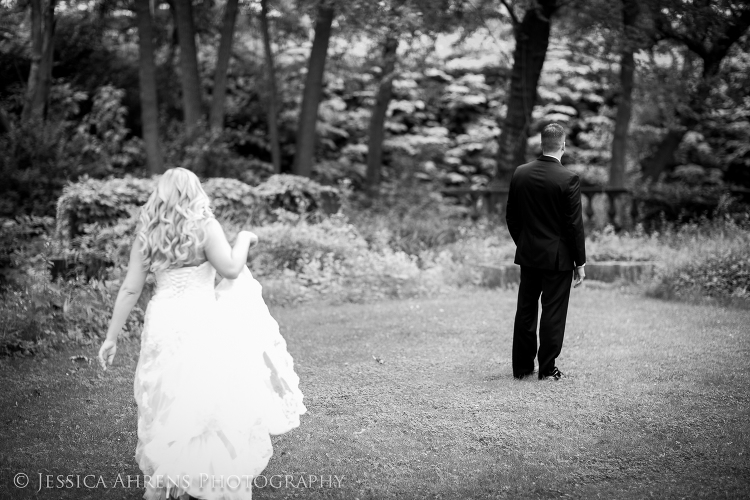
492	200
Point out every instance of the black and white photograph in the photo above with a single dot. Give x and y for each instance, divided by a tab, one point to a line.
374	249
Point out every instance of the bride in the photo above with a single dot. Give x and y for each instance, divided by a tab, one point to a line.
214	379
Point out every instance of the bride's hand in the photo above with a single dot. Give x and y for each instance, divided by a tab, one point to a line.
253	238
107	353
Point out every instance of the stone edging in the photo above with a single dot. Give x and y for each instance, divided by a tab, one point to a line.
507	273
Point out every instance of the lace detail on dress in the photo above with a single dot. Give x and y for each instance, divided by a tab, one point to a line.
179	282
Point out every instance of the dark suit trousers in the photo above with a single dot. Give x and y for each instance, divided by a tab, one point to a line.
554	288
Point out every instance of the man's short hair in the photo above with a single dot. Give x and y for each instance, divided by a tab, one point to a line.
553	137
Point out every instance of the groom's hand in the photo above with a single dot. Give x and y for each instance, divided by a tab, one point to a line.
579	274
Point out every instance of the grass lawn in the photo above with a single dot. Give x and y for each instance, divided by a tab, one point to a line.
656	405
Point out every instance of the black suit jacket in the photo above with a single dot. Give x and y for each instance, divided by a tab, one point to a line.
544	216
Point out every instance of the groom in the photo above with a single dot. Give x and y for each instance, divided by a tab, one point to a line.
544	220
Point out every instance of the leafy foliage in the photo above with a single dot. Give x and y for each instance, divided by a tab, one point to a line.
690	193
722	275
23	241
330	260
97	218
37	160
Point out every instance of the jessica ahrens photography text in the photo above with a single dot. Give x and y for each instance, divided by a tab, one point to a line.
43	481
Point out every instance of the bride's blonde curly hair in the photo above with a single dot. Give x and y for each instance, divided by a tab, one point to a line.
171	223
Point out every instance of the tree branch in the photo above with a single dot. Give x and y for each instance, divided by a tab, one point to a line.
513	17
668	32
733	33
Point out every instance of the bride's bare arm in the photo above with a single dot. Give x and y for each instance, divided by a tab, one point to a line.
228	261
130	291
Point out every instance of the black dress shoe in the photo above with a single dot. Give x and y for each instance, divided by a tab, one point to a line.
554	374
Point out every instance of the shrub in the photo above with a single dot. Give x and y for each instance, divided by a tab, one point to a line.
105	202
706	261
38	159
408	218
688	194
215	155
99	202
97	218
723	275
40	314
329	260
32	171
299	195
637	246
285	246
22	243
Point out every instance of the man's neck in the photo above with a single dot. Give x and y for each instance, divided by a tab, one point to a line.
556	156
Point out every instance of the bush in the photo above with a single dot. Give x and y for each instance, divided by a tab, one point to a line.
215	155
284	246
299	195
40	314
330	260
32	171
408	218
104	203
22	243
97	218
636	246
723	275
706	261
38	159
688	194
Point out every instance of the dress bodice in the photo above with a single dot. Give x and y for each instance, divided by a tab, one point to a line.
185	281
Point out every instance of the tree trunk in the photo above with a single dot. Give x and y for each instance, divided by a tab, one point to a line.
191	85
305	154
36	57
42	57
216	120
377	121
663	157
147	76
625	105
41	96
532	39
272	110
5	125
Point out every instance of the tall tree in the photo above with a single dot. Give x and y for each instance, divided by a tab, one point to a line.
272	106
532	38
393	22
708	29
630	13
192	104
306	136
42	58
147	76
377	120
218	99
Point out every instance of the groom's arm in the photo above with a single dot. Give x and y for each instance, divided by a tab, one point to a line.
512	217
574	221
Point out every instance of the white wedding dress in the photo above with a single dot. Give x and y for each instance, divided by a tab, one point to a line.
214	381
